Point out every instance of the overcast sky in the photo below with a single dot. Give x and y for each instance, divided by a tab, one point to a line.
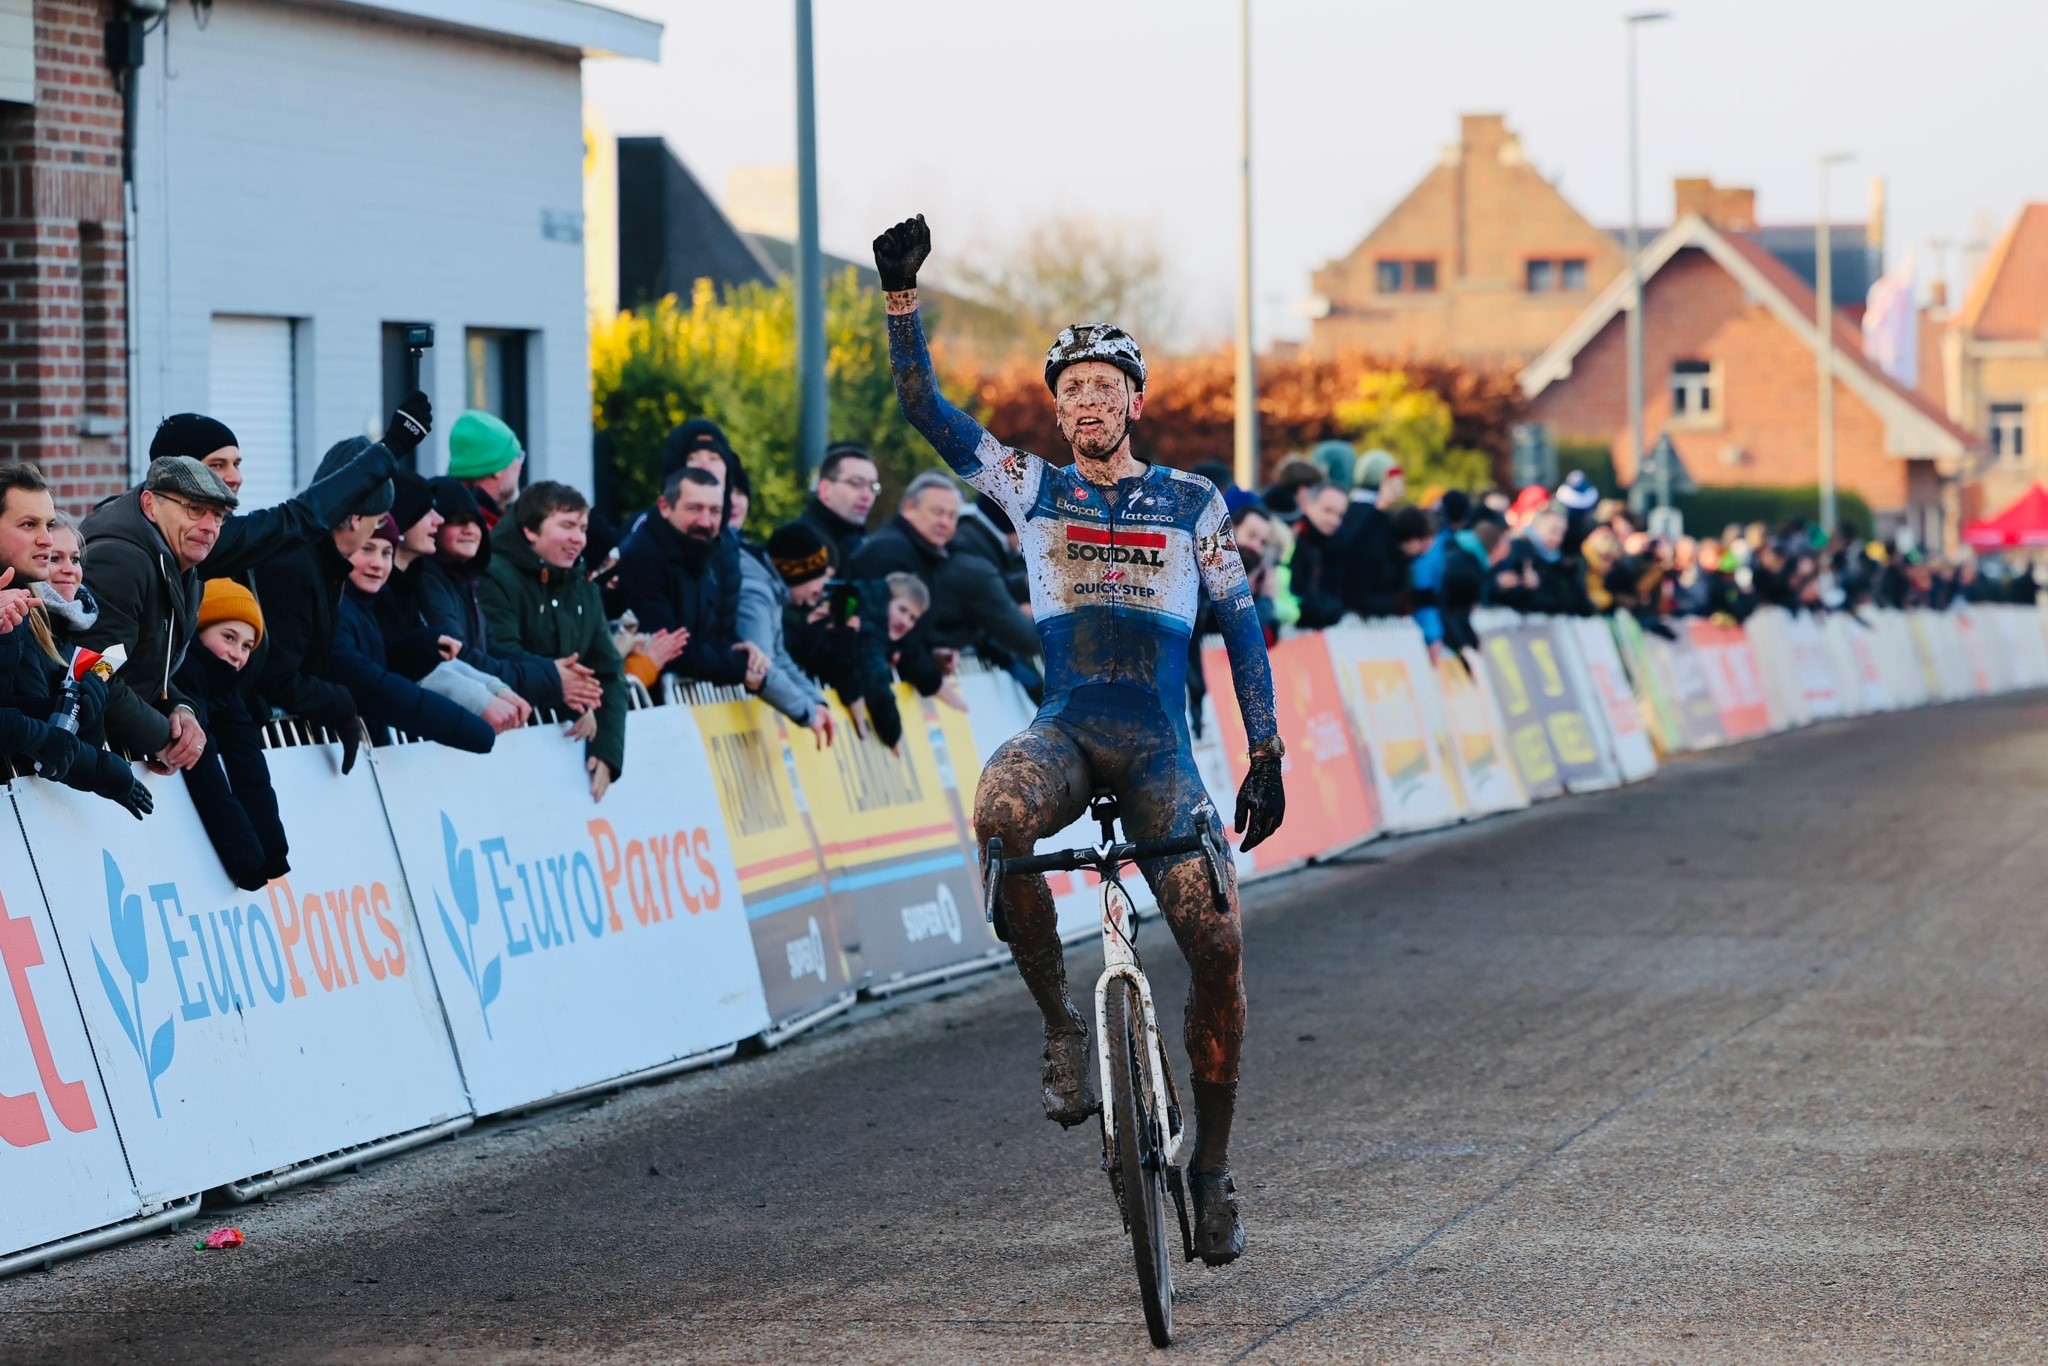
988	115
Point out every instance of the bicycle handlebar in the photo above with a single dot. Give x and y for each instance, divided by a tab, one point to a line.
1073	860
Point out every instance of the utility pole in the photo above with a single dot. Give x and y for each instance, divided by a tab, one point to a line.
1245	466
809	268
1638	438
1824	350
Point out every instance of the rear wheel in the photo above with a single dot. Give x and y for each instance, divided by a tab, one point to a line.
1139	1156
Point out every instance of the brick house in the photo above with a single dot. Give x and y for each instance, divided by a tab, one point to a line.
1487	261
1483	259
1994	366
63	344
306	180
1729	361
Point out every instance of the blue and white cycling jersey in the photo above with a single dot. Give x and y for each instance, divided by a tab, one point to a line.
1114	571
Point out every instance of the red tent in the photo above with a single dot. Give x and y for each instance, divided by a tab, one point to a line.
2024	523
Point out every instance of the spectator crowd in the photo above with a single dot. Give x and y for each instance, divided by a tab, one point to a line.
172	627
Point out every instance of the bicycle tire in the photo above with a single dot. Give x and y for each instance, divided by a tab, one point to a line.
1141	1163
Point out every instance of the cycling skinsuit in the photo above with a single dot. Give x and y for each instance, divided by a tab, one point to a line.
1115	574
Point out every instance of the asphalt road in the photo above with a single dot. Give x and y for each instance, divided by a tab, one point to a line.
1745	1063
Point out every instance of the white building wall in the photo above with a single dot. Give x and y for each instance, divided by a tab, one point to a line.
345	172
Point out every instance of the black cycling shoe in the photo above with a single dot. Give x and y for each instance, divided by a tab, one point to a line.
1219	1233
1069	1099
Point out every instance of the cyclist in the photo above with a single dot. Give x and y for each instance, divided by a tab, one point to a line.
1117	551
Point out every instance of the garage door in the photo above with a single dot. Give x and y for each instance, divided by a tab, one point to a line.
252	391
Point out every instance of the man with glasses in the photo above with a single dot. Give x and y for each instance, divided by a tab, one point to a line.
848	484
143	551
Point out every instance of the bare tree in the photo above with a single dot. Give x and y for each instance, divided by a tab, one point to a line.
1018	295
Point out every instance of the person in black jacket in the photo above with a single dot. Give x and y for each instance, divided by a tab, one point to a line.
230	785
986	530
1542	578
835	629
386	688
1317	573
444	584
679	570
848	484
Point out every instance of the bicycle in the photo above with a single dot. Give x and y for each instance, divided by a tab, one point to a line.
1142	1128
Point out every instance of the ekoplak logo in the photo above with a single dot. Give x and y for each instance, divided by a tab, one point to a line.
556	900
246	952
131	948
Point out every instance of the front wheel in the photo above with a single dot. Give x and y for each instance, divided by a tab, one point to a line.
1139	1156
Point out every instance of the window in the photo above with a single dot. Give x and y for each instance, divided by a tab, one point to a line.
1692	393
1548	274
2008	432
253	387
496	376
1405	277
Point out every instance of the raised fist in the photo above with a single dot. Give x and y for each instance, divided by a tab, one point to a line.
900	251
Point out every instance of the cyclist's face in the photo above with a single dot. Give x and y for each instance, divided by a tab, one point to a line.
1094	404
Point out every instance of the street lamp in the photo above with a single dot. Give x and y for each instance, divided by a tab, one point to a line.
809	272
1635	269
1245	464
1824	352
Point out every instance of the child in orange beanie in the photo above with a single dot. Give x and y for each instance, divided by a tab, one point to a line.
230	785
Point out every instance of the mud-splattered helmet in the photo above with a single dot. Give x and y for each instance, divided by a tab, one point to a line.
1105	342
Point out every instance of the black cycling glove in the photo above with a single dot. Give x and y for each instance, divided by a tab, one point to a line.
114	778
1261	801
410	422
900	251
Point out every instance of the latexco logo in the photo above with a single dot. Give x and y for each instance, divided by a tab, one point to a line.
807	955
551	901
929	919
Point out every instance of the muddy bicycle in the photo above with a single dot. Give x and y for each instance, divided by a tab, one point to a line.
1142	1119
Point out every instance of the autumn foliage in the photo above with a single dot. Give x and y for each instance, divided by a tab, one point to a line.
1190	405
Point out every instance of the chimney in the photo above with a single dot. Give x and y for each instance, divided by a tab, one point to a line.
1727	207
1481	135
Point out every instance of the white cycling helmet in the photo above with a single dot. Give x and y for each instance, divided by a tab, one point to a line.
1105	342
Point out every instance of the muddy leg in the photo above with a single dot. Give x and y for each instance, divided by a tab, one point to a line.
1033	786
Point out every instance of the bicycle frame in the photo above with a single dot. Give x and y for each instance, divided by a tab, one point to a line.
1120	959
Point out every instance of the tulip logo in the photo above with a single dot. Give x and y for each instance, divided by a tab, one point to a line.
462	882
131	949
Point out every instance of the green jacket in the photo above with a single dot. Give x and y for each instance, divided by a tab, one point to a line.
536	608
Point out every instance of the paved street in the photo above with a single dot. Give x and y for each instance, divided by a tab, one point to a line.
1742	1064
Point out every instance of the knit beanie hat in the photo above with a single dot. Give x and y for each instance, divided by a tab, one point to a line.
192	434
227	600
798	553
377	500
479	445
698	434
1374	469
387	530
1339	462
411	499
453	500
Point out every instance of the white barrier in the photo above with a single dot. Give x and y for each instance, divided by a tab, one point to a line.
238	1032
64	1169
1384	672
575	943
1589	647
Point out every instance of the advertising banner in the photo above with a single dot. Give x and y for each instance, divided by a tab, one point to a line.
2025	645
896	848
1474	741
1383	670
1606	682
1330	803
804	965
1528	741
1685	671
1813	668
240	1032
1539	699
1859	683
1971	652
1652	683
60	1157
1771	642
574	942
1729	666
